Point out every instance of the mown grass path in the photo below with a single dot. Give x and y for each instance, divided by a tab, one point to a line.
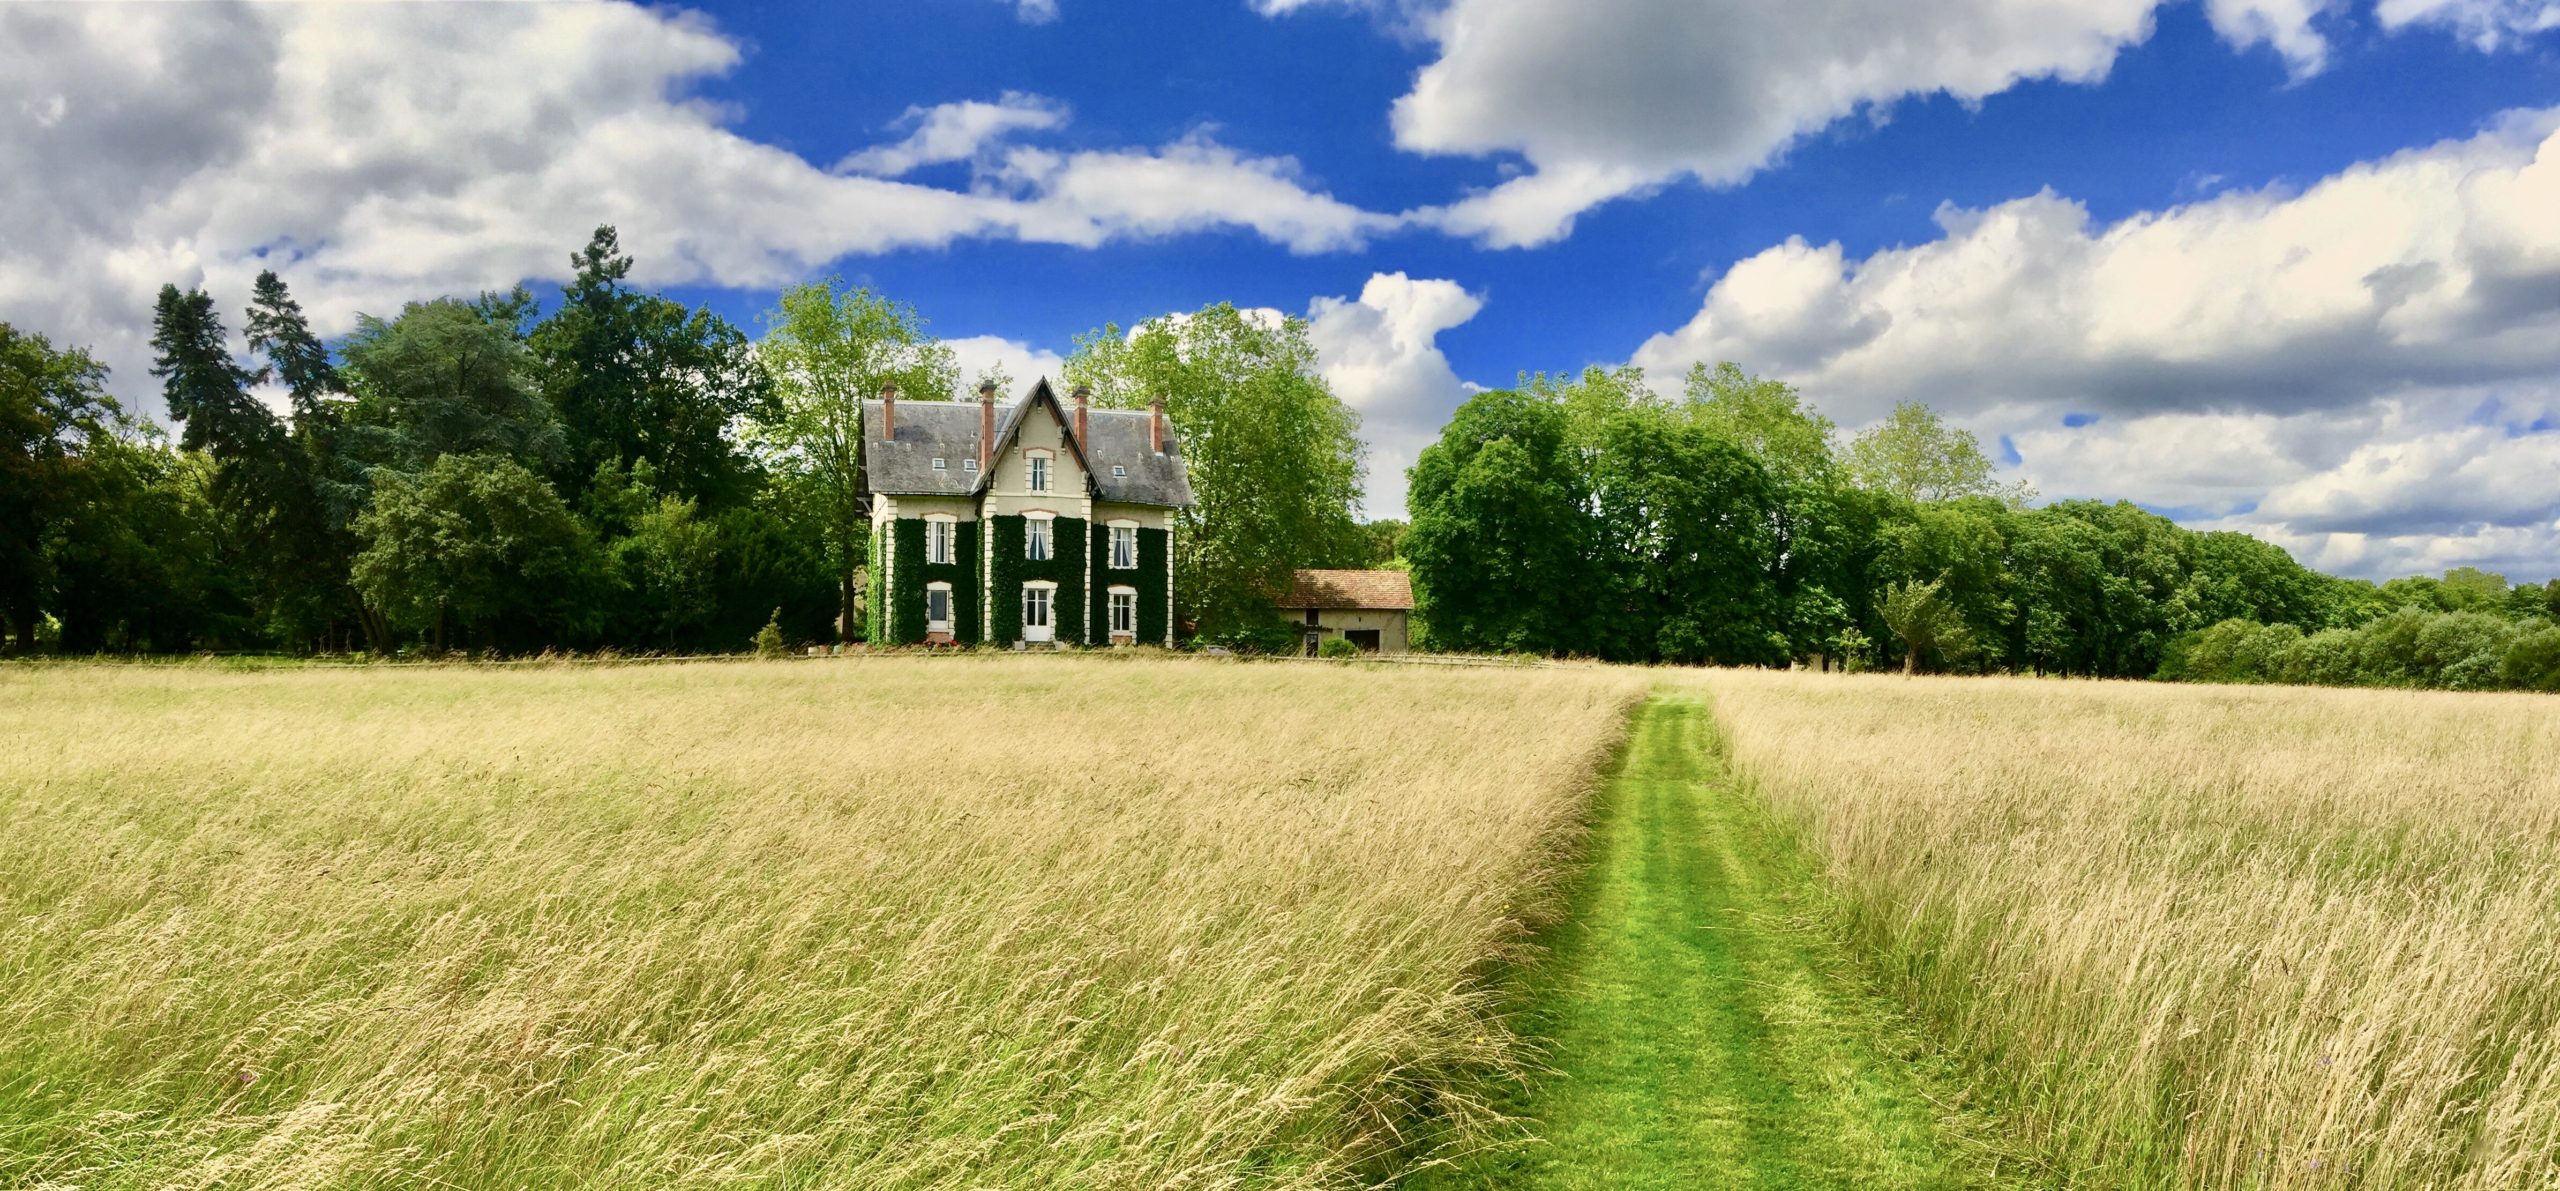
1699	1034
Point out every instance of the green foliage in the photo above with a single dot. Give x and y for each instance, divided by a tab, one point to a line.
1155	625
1586	515
1686	564
478	549
443	380
1148	578
634	376
2532	661
769	642
1064	566
1854	649
826	349
1915	455
1502	534
54	414
877	600
909	573
2414	646
1337	647
1274	457
1926	621
667	563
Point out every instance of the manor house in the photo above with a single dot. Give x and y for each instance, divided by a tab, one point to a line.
1034	524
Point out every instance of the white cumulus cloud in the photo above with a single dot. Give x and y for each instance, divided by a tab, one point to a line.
373	154
1602	99
956	132
1380	353
2361	369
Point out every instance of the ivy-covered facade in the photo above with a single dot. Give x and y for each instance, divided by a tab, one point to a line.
1035	525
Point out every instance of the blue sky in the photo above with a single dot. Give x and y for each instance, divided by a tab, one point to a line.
2288	266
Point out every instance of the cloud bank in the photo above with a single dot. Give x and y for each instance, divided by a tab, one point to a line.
377	153
2363	371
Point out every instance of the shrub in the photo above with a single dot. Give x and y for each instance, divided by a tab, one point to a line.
1337	648
2330	657
2532	660
2461	650
769	642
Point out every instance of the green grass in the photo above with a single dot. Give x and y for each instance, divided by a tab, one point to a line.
1700	1031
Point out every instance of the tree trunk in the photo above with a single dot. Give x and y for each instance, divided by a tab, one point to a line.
849	620
1911	660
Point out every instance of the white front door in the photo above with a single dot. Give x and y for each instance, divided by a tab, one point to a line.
1035	615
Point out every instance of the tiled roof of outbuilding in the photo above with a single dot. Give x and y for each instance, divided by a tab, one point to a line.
1380	590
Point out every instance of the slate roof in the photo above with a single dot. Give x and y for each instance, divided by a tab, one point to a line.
948	430
1376	590
925	430
1118	438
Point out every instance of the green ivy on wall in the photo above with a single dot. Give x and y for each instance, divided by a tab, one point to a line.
1149	579
1155	550
1010	570
876	590
907	620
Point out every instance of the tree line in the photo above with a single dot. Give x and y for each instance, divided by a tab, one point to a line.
619	471
1589	515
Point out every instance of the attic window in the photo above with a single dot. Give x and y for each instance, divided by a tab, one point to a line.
968	465
1119	472
939	465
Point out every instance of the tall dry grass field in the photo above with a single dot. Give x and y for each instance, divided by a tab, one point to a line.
2203	937
964	922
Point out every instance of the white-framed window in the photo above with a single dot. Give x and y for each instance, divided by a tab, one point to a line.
937	607
1037	603
1039	465
1035	539
939	465
968	465
1119	472
940	536
1124	611
1124	547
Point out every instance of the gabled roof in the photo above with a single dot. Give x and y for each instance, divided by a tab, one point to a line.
948	430
1389	591
1119	439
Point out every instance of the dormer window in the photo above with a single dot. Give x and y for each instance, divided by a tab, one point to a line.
1119	472
939	465
968	465
1039	473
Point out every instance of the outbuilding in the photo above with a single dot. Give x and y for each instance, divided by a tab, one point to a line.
1367	608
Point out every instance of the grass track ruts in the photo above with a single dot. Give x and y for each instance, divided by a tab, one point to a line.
1699	1033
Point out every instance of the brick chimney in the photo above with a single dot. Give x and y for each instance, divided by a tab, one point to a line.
1084	402
889	412
1155	425
986	426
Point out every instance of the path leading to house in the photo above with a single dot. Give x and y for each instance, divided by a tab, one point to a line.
1700	1034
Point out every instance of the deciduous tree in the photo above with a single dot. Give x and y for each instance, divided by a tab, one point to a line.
1274	456
828	348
